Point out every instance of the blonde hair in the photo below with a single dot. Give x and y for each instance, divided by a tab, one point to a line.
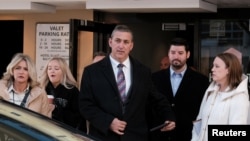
17	58
67	79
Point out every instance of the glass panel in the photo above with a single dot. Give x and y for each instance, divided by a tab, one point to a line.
220	35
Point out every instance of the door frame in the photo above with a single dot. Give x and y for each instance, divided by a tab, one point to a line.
101	32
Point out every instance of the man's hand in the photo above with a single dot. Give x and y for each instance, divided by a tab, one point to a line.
118	126
170	126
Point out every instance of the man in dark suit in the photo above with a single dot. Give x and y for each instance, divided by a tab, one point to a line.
184	88
114	117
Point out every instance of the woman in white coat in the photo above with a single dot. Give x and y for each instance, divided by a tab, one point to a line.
226	99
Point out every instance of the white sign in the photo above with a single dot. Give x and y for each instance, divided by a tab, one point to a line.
51	40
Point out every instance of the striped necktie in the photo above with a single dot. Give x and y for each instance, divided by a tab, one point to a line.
121	83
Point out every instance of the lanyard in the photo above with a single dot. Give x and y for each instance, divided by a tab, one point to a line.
25	99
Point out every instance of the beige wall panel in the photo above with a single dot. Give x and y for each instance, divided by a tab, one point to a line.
85	52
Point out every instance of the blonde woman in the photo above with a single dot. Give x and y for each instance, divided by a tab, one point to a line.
19	85
58	81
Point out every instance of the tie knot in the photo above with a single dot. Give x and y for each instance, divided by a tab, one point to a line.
120	66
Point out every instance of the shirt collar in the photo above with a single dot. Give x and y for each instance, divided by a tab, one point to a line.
11	88
182	73
116	63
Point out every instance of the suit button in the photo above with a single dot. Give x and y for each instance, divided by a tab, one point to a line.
172	105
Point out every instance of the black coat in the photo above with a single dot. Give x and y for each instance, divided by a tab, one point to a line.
185	104
100	102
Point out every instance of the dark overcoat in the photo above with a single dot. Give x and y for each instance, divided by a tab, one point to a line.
100	101
185	104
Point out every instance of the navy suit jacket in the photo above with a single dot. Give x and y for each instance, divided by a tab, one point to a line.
185	104
100	101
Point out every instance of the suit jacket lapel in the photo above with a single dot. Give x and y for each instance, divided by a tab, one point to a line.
184	81
168	83
109	73
133	73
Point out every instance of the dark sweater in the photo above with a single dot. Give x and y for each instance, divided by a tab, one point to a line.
67	108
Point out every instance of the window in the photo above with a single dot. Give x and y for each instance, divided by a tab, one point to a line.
220	35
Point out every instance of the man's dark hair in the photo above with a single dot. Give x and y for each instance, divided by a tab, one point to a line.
180	42
122	28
